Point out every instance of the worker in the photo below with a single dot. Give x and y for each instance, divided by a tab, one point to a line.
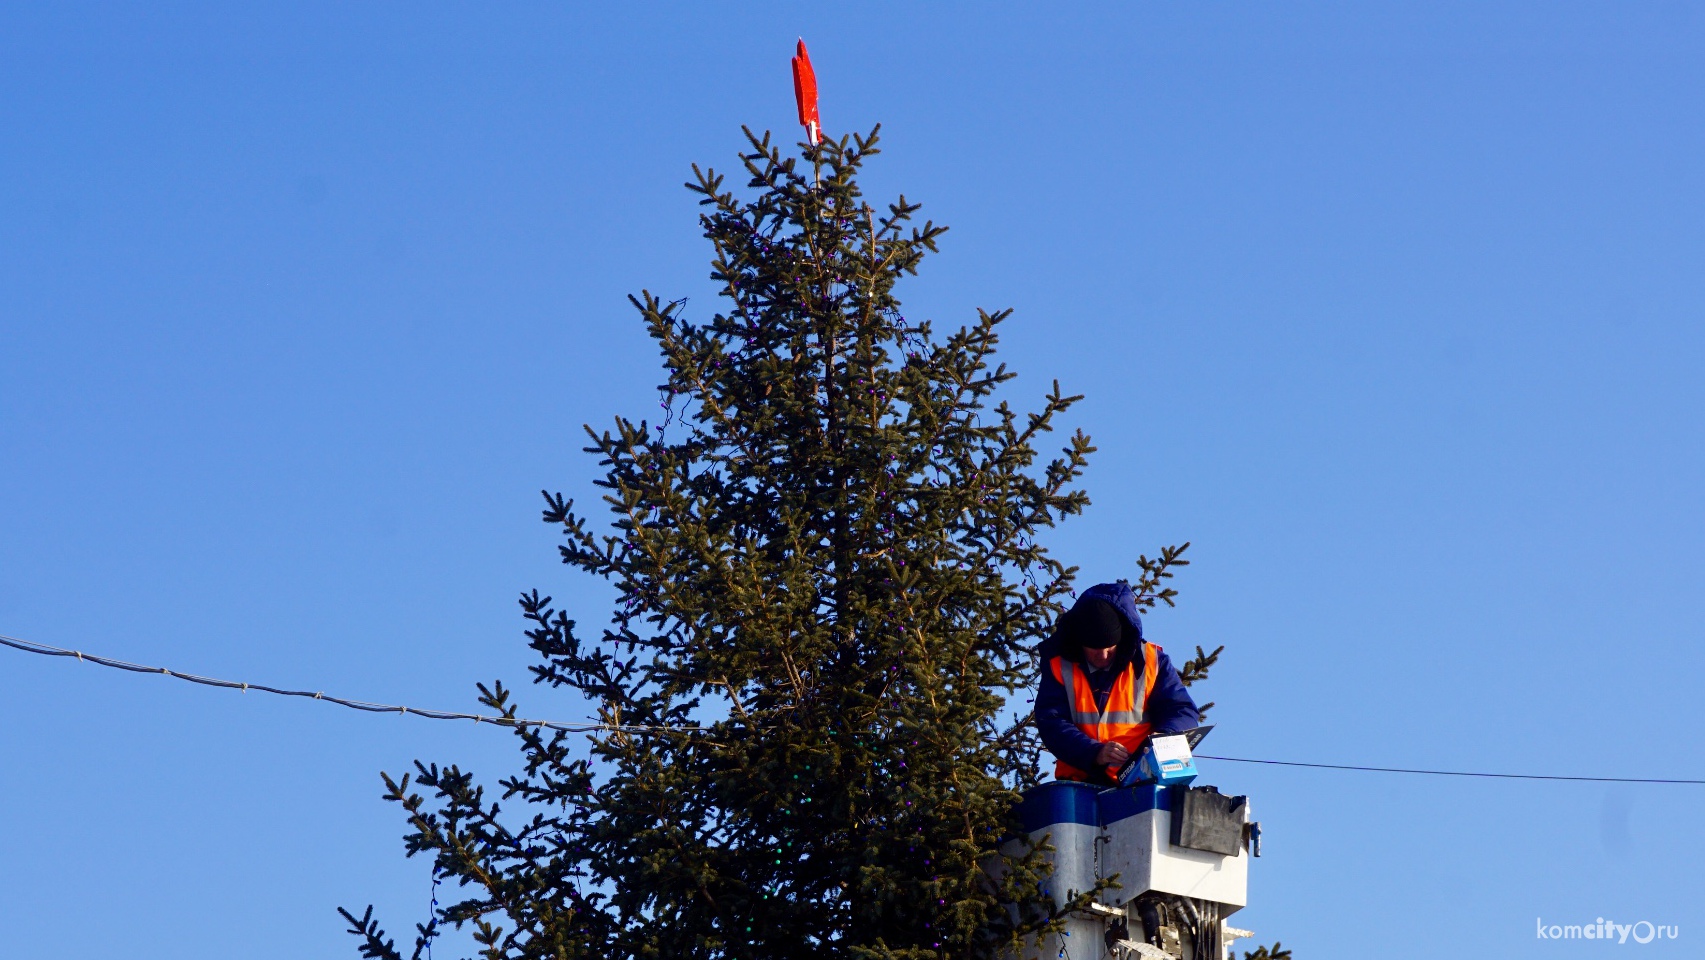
1104	688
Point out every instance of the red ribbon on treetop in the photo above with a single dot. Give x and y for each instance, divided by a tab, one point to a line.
805	93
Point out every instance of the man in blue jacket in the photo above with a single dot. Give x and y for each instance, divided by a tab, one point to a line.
1104	688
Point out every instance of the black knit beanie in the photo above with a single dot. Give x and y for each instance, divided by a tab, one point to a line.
1097	624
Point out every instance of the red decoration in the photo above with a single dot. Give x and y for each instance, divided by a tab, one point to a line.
805	93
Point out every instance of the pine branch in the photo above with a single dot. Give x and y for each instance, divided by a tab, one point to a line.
1148	587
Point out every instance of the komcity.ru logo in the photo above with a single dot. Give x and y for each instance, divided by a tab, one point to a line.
1645	931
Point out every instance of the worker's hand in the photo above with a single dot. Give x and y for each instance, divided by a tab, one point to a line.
1112	754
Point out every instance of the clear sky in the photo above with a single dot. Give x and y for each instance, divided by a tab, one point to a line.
1393	310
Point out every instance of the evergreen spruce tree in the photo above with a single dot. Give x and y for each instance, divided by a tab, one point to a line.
829	591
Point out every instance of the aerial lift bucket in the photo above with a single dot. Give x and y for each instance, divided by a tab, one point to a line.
1179	853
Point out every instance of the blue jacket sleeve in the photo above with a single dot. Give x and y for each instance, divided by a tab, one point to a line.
1170	709
1054	721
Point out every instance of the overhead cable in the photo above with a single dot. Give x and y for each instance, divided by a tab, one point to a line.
48	650
1444	773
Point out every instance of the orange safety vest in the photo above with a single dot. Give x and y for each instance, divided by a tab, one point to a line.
1122	720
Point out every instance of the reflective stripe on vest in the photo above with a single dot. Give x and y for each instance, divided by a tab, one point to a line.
1121	721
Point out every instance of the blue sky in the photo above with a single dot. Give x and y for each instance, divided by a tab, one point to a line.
1393	310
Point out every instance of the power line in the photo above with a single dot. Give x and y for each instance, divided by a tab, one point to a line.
48	650
1444	773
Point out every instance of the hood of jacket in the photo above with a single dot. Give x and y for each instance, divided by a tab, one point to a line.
1061	643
